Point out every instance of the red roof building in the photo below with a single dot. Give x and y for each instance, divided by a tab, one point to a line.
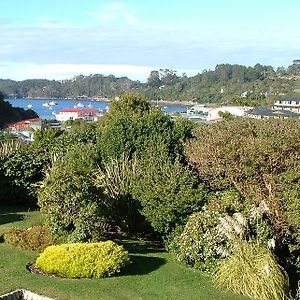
28	124
88	114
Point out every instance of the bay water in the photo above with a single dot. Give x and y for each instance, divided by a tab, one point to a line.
49	112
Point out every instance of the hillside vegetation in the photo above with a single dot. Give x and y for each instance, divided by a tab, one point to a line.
258	83
9	114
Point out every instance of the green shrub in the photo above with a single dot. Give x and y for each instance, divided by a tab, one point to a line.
131	125
253	271
68	197
208	234
260	159
35	238
298	275
169	192
82	260
22	169
201	245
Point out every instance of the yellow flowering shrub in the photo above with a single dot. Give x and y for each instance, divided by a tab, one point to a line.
83	260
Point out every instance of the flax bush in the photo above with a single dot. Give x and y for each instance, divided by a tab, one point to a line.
83	260
253	271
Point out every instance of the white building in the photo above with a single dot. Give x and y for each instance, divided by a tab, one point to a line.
237	111
202	112
88	114
289	104
199	109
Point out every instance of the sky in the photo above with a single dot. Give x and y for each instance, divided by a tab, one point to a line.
60	39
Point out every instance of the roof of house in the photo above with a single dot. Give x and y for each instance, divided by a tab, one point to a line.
262	111
78	110
24	123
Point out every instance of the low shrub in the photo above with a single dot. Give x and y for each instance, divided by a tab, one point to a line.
200	245
83	260
35	238
253	271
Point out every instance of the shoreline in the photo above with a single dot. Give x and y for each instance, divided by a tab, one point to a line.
174	102
162	102
53	99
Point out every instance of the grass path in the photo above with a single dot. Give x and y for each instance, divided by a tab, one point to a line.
152	275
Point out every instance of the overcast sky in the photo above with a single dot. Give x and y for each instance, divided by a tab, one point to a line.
58	39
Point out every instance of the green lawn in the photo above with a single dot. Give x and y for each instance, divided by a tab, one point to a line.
152	275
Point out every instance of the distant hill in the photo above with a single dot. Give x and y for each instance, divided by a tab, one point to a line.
9	114
80	86
258	83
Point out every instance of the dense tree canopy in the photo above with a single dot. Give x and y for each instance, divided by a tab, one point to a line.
130	126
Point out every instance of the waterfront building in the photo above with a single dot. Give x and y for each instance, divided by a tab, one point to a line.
291	104
267	113
87	114
25	129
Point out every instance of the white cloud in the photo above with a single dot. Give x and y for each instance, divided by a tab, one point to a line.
46	22
116	12
21	71
29	70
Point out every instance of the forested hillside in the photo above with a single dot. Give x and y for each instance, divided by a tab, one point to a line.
10	114
219	85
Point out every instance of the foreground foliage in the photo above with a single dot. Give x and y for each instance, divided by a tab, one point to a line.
201	245
261	160
83	260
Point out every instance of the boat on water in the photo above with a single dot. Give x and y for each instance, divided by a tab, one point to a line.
29	106
49	104
79	105
52	103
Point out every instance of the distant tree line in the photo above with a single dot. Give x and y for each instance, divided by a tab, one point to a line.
211	86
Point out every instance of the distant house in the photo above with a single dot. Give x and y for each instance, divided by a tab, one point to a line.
25	129
87	114
202	112
198	112
267	113
244	94
237	111
292	104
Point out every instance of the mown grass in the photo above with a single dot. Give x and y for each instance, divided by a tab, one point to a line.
153	273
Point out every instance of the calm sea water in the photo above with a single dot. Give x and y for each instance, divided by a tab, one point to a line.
48	113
